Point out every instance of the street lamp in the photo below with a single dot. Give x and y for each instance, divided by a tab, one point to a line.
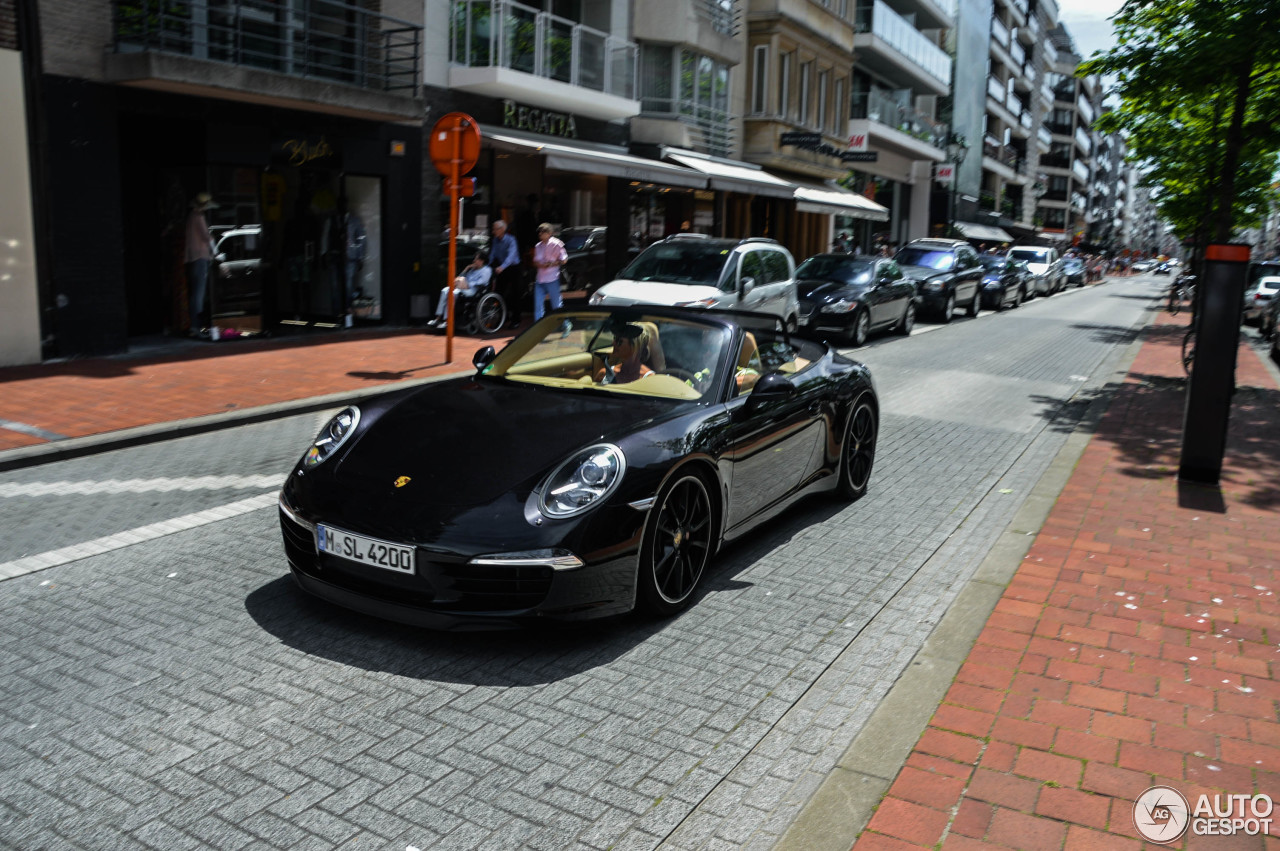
957	149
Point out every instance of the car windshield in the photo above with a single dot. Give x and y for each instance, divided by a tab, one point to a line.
844	270
932	258
639	354
993	262
1072	264
1030	255
681	262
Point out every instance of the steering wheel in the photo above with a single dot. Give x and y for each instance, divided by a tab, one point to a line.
682	374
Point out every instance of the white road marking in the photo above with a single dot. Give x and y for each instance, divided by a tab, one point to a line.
129	537
184	483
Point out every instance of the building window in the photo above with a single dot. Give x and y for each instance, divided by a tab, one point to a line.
704	99
806	79
823	81
759	79
655	78
784	85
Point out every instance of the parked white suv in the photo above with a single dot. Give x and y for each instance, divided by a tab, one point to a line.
691	270
1047	274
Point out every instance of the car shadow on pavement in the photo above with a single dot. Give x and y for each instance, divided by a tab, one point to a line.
535	655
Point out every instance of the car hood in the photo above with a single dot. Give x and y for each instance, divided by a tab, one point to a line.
657	292
469	442
825	292
922	273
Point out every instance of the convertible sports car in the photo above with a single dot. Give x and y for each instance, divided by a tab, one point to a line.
593	466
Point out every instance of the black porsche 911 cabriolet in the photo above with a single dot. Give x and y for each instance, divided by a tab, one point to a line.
593	466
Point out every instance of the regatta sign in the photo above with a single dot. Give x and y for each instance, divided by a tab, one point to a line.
542	121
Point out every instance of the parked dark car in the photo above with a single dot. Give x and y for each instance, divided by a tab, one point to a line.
595	465
1002	282
1074	270
853	295
946	273
586	267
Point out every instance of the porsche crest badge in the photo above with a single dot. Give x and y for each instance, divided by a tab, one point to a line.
402	481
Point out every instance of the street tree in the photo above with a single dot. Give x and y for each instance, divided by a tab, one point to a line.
1199	98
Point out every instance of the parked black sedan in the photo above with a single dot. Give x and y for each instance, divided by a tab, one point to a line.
593	466
946	273
853	295
1002	282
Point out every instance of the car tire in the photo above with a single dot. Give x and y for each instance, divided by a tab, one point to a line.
975	306
908	320
856	334
858	452
676	546
949	308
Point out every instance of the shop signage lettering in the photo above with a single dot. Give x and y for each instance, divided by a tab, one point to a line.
860	156
301	152
813	142
538	120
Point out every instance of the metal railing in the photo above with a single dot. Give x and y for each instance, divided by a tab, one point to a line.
506	34
882	109
880	20
1004	154
996	90
999	33
1017	53
332	40
722	14
713	126
1043	134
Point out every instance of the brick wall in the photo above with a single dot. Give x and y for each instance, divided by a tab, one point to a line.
8	25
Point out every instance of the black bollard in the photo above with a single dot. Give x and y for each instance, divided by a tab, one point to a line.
1212	381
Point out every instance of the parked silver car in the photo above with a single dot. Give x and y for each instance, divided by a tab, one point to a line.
1047	275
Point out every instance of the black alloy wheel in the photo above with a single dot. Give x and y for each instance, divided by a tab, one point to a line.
677	546
975	306
950	307
856	334
908	320
859	452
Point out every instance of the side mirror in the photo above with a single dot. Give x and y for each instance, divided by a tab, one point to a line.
774	387
221	258
483	357
748	284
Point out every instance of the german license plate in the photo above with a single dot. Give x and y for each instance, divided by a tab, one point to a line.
365	550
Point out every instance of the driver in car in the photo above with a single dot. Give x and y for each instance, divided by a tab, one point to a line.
744	376
630	342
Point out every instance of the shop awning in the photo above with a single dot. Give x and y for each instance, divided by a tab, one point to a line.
812	198
973	230
565	157
737	178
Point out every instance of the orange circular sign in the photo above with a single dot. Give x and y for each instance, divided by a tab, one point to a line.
454	136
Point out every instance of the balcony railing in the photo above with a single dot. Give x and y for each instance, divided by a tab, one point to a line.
1044	135
995	89
506	34
1055	161
1084	108
1083	140
714	126
1018	53
882	109
1025	120
330	40
721	13
999	33
1004	154
881	21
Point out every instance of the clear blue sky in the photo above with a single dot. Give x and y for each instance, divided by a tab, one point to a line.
1087	22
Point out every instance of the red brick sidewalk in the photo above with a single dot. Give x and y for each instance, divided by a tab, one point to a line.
1135	646
93	396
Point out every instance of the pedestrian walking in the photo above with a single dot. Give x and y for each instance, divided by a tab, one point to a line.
548	256
504	257
199	254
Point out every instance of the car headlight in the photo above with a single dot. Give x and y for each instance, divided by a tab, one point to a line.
935	285
584	480
841	306
597	297
702	302
332	436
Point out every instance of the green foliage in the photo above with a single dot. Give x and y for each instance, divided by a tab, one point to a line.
1199	90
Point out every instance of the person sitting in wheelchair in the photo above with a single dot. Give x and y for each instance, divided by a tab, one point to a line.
473	281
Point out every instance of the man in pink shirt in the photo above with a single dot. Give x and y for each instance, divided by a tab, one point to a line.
199	253
548	256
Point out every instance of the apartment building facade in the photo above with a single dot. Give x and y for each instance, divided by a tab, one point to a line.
1068	167
287	114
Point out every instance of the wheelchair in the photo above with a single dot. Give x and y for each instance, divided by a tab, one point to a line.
481	314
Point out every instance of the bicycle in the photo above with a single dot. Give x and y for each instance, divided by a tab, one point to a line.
1179	291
